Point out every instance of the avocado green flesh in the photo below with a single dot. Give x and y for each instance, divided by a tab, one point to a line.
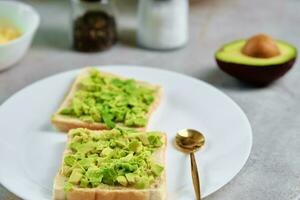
117	157
110	100
232	53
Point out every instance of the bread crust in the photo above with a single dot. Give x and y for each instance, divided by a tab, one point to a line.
65	123
157	191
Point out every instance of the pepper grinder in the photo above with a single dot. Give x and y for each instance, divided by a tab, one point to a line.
162	24
94	26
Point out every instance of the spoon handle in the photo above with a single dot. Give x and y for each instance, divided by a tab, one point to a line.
195	176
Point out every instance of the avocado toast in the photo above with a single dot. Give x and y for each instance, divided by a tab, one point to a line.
99	100
113	165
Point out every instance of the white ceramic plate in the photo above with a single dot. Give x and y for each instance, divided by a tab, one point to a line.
31	149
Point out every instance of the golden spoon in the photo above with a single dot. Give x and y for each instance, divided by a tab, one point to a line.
189	141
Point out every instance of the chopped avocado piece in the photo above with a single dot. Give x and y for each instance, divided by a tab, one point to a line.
66	170
127	157
133	119
83	147
107	151
121	142
109	175
77	107
232	53
75	176
108	119
122	180
110	100
70	160
142	182
130	178
113	157
157	169
144	139
140	121
86	162
128	167
84	182
155	140
135	146
67	111
68	187
94	175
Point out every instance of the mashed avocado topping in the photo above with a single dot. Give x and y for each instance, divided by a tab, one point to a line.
110	100
117	157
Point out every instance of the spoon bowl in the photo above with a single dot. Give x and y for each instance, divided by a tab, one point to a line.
189	140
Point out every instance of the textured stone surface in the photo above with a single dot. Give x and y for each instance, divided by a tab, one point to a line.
273	169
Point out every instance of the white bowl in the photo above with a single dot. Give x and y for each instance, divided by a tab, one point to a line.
27	20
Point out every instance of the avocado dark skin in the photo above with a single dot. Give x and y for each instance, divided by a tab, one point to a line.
256	75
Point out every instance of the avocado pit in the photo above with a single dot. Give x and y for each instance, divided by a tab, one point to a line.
261	46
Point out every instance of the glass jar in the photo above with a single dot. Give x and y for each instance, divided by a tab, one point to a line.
162	24
93	25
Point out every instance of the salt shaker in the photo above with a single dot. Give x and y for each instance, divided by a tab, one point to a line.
162	24
93	25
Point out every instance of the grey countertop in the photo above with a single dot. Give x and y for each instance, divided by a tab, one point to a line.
273	169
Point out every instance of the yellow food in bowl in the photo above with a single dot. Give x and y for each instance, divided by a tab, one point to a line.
8	33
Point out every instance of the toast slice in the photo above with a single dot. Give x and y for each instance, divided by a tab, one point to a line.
155	191
65	122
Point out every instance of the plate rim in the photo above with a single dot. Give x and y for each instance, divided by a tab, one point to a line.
4	183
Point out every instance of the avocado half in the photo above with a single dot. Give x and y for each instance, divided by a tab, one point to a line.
258	71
